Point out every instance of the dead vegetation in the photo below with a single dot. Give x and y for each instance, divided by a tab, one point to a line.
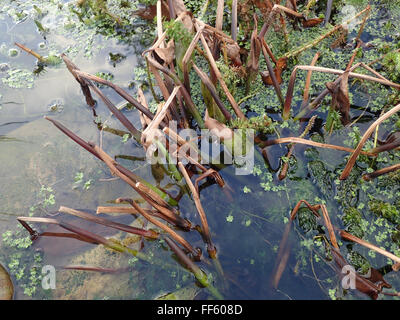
170	63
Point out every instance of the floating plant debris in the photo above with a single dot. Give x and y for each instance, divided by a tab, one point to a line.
293	73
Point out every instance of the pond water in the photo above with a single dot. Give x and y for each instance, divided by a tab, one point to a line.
41	170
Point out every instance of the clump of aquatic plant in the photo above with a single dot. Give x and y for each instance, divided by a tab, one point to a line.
19	78
227	71
392	63
104	75
261	124
99	7
119	19
371	285
43	62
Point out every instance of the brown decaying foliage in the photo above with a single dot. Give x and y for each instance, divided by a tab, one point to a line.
371	285
211	42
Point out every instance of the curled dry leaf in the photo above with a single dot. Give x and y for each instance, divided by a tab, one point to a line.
281	65
217	128
340	98
6	285
166	54
226	43
233	53
309	23
255	50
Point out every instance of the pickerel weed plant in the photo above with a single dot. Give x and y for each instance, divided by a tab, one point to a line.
187	46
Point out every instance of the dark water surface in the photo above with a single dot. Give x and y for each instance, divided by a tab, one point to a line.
40	170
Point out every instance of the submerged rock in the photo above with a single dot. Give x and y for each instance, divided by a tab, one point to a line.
124	283
6	285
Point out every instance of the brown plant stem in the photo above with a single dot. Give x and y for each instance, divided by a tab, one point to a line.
329	226
360	31
284	246
220	15
94	269
127	174
377	173
347	236
316	102
207	82
117	113
160	82
144	233
324	36
234	20
271	72
367	134
212	251
197	272
282	256
118	90
285	166
214	67
156	202
308	80
186	96
125	210
30	51
158	119
84	83
88	236
196	253
187	58
312	143
322	95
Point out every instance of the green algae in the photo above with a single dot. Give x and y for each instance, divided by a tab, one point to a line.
24	264
384	209
347	200
19	79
